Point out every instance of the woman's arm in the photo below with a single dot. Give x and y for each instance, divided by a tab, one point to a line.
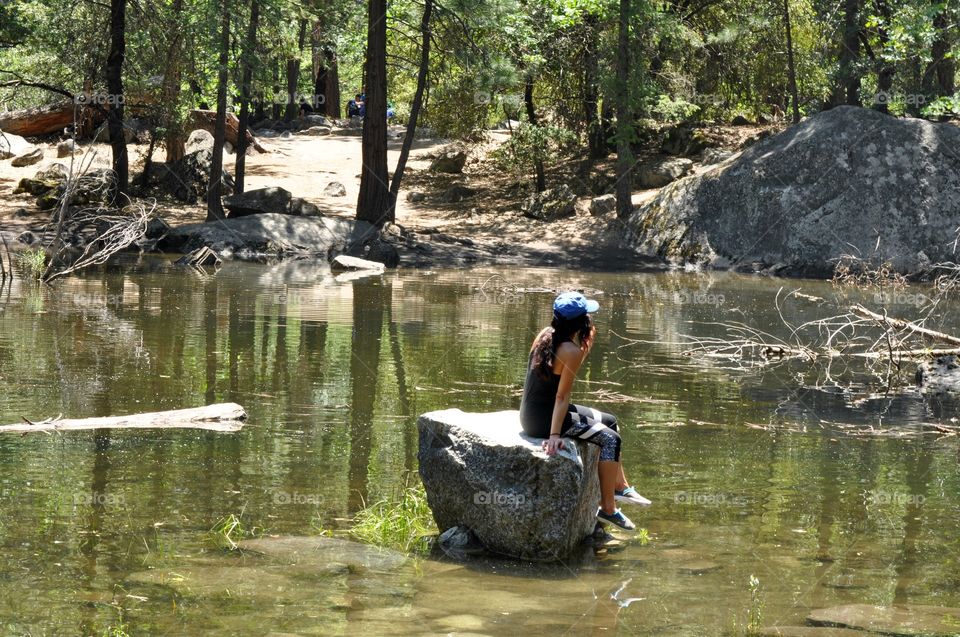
570	357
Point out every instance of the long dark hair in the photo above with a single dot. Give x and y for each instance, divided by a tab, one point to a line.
544	349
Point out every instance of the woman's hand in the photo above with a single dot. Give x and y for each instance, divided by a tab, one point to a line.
552	445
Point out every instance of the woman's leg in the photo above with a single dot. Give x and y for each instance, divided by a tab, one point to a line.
588	424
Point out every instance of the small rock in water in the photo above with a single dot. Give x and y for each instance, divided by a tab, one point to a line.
344	263
908	620
699	567
809	631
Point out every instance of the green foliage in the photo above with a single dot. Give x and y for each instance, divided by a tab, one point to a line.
943	107
229	530
32	263
403	522
530	143
755	612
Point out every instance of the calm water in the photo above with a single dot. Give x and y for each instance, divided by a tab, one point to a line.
752	472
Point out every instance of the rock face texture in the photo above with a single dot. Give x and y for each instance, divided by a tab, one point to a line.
830	186
483	474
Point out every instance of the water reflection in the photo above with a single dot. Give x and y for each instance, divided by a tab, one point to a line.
751	472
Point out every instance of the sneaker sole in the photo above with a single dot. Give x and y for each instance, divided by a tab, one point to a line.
643	502
622	528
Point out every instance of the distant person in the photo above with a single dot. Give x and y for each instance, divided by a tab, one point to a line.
546	410
305	108
391	112
353	106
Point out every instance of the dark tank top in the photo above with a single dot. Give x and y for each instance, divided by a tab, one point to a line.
539	397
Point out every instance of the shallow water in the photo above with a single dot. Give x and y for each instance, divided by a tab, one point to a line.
752	472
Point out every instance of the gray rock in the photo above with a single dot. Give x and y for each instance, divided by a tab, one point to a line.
286	135
273	234
66	148
457	193
28	158
740	120
346	263
26	238
832	185
266	133
660	173
551	204
907	620
21	213
939	376
188	178
810	631
602	205
314	120
449	160
481	472
335	189
55	171
312	553
459	542
199	139
12	145
318	131
103	134
684	139
302	207
258	202
712	156
416	197
228	148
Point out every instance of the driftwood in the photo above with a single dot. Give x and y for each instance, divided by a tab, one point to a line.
206	120
901	324
226	417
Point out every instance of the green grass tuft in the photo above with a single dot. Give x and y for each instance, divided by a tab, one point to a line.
403	522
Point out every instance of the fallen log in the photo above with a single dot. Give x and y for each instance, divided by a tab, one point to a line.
901	324
39	120
206	120
225	417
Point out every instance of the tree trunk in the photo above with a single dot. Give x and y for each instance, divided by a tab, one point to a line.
327	85
885	69
847	84
174	139
940	75
293	76
247	63
277	112
220	417
596	139
118	16
373	204
791	66
414	107
541	176
214	203
624	154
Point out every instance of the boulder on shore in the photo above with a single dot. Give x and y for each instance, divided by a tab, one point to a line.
28	158
660	173
482	473
551	204
835	184
259	201
12	145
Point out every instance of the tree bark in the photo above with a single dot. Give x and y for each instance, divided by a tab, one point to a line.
414	107
791	66
214	203
540	173
174	139
373	203
42	120
293	76
247	63
940	75
327	85
847	85
624	154
219	417
596	138
885	70
118	143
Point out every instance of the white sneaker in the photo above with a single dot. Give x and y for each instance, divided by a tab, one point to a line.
629	494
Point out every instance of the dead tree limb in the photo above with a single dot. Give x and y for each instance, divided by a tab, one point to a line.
226	417
901	324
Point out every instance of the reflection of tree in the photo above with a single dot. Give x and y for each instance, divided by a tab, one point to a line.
370	300
210	338
909	564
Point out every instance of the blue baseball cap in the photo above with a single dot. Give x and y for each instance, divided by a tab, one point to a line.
571	305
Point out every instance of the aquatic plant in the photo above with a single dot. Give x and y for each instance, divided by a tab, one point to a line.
32	262
755	612
229	530
402	522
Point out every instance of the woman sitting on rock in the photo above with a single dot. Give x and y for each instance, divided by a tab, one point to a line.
546	410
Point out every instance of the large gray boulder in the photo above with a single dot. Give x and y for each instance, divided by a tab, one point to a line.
830	186
259	201
664	171
551	204
272	234
12	145
481	472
